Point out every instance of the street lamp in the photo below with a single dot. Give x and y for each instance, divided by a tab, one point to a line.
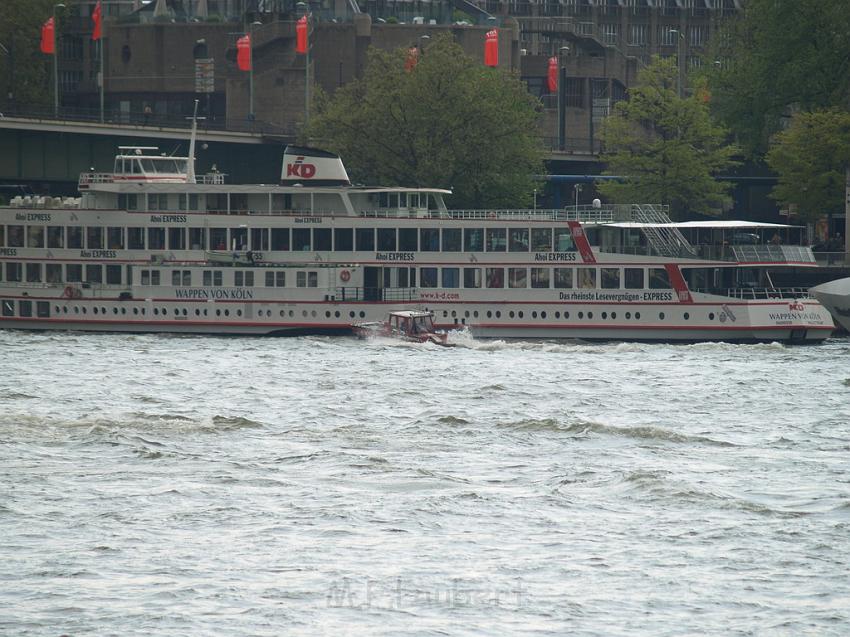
56	61
423	39
679	37
251	69
562	96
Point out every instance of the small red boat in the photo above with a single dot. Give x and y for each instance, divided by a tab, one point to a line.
414	326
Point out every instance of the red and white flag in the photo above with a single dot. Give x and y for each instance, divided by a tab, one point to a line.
243	53
48	37
97	18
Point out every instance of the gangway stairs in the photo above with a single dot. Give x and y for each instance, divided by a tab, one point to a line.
665	239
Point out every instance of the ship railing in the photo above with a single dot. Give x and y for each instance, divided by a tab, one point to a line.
773	254
584	214
399	295
745	293
95	178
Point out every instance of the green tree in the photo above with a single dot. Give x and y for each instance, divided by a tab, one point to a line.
779	55
447	122
810	157
665	148
25	71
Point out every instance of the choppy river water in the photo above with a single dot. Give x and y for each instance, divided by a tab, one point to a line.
159	485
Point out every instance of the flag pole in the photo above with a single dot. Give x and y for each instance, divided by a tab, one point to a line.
56	62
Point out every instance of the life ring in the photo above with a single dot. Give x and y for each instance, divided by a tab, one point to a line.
345	275
68	292
491	215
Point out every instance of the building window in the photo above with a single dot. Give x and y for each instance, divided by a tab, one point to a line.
637	34
610	33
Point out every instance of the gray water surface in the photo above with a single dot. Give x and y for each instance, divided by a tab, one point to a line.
160	485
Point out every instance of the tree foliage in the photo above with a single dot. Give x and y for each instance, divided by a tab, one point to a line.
448	122
665	148
810	158
778	56
25	71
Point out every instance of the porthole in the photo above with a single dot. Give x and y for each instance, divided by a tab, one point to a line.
136	311
227	312
144	311
218	312
156	311
56	309
94	310
519	314
291	313
445	314
313	313
604	315
581	315
534	314
489	314
628	315
466	314
613	315
238	312
76	310
197	312
661	315
164	312
475	313
123	310
304	313
498	313
65	310
103	310
115	310
711	316
511	314
566	315
362	314
543	315
327	313
454	314
84	309
637	315
590	315
205	311
687	316
176	312
557	315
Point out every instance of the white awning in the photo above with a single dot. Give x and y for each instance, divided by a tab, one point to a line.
707	225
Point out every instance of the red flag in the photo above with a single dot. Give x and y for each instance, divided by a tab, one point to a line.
48	34
301	35
97	18
491	48
412	59
243	53
552	76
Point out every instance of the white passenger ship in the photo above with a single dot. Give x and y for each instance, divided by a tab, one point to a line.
151	248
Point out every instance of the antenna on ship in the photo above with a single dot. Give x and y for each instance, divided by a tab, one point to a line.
190	164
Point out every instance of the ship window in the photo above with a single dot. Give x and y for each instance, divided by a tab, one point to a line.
55	238
8	308
53	273
541	239
113	274
75	237
136	238
196	239
115	238
472	277
495	277
563	278
128	201
218	238
2	234
564	240
386	240
633	278
94	273
301	239
260	239
280	239
365	239
518	240
177	238
407	239
33	272
451	240
517	278
610	278
175	278
25	308
16	237
74	273
94	238
158	201
35	236
496	239
14	272
1	268
239	238
42	309
586	278
343	239
322	239
276	279
212	277
429	239
156	238
451	277
244	279
473	239
154	277
659	279
540	277
428	277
